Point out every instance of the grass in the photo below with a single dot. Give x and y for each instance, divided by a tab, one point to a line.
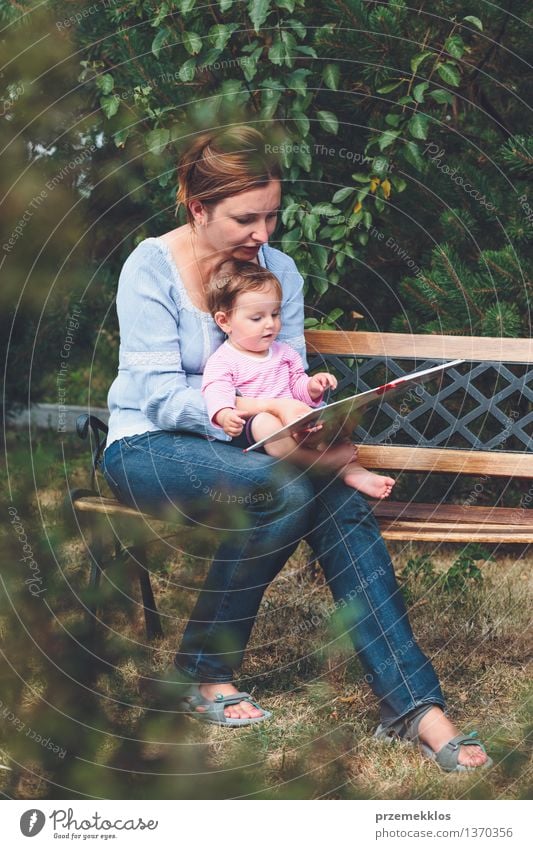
319	743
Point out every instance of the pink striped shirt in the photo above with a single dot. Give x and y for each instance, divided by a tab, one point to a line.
278	375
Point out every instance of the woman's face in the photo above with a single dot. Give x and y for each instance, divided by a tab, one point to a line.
237	226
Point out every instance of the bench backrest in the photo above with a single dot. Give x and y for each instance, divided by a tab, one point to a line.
478	421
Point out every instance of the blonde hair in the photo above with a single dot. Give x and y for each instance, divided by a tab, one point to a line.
223	163
234	277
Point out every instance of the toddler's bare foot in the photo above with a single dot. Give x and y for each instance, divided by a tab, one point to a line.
377	486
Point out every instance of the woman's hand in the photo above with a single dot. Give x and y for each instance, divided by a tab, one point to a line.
230	421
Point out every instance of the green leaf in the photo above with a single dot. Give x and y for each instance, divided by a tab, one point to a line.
320	255
296	26
258	11
311	322
269	102
324	208
441	96
387	138
392	120
449	74
307	51
335	314
471	19
220	34
390	86
380	166
120	137
187	71
289	43
361	178
417	60
287	4
187	6
310	226
225	5
289	212
276	53
418	92
328	121
455	46
302	121
412	154
297	81
342	194
105	83
362	238
303	158
320	285
192	42
399	183
160	39
162	13
110	104
291	239
338	232
156	140
418	126
331	76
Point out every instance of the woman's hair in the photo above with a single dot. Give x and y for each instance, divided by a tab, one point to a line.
234	277
223	163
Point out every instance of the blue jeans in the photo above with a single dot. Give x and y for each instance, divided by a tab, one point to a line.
261	508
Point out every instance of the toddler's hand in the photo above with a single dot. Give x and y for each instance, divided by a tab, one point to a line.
319	383
230	421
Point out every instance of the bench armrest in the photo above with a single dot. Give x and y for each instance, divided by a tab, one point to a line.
99	433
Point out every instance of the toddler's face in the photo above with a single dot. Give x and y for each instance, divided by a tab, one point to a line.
254	322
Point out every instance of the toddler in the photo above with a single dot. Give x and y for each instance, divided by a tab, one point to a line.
245	302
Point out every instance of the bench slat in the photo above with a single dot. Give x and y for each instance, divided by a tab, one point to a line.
446	533
433	523
463	461
412	510
419	346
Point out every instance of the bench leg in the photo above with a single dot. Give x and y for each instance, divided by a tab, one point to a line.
97	553
151	615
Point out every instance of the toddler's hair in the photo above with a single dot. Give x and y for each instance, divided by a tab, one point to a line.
234	277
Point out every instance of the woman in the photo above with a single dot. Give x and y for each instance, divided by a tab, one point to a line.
163	455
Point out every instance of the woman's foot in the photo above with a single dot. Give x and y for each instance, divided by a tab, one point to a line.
377	486
435	730
244	710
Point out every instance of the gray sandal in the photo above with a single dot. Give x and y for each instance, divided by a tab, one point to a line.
405	730
214	712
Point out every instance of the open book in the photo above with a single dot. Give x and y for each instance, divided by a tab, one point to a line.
340	418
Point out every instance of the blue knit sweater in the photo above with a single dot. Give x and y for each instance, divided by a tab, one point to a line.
165	341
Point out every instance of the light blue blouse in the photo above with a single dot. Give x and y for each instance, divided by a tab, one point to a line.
165	341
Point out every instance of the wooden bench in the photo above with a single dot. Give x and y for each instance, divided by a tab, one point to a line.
432	430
